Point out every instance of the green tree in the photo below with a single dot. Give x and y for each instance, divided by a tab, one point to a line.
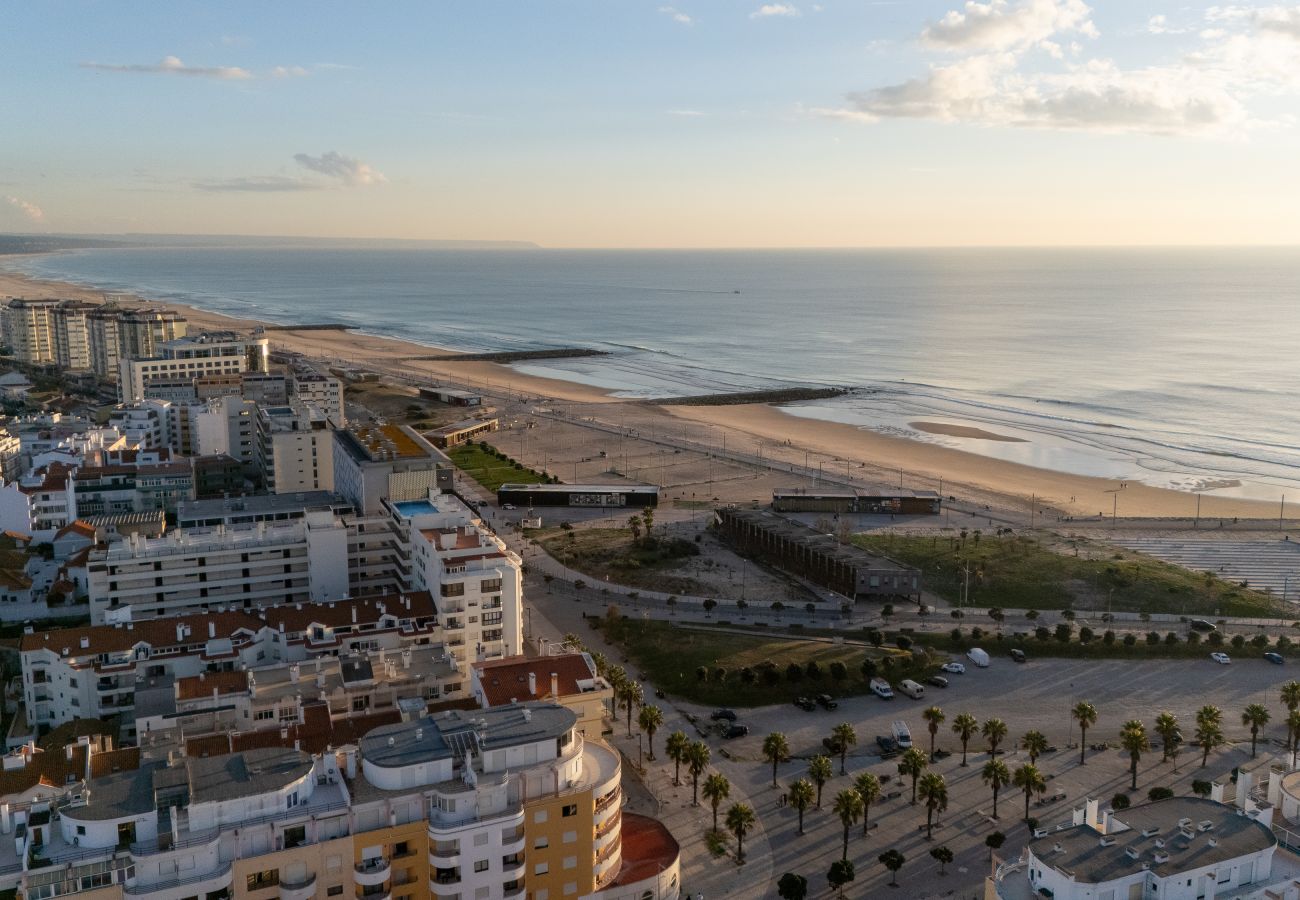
934	794
1293	730
994	841
844	736
716	789
776	750
893	861
1086	715
1167	728
848	806
994	730
840	874
792	887
820	771
634	525
1035	744
943	856
648	517
868	787
630	695
913	763
1133	738
997	776
933	719
1256	716
1202	788
965	726
1291	695
697	760
651	718
1030	780
676	750
801	797
740	821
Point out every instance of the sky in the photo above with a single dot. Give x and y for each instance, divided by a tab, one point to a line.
620	123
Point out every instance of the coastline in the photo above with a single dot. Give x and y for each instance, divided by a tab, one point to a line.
867	455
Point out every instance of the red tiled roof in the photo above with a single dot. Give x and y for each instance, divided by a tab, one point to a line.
316	734
503	679
648	848
55	769
84	529
194	687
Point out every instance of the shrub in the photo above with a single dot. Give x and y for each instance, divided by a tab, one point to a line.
720	674
1238	641
793	672
1153	638
1130	640
875	637
1043	633
1063	632
1108	638
1194	638
1259	641
813	670
1171	638
869	668
701	674
772	677
1215	639
1283	643
903	642
1085	635
1159	793
1119	801
956	637
839	671
747	675
976	633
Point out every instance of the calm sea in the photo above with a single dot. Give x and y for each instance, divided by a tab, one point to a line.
1176	367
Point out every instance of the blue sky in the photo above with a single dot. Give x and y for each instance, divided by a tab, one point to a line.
647	124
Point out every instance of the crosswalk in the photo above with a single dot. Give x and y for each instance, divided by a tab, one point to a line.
1263	565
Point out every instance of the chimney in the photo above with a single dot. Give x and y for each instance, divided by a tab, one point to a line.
293	673
68	751
354	614
85	642
555	685
212	629
532	684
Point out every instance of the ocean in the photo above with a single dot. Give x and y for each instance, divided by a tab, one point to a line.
1173	367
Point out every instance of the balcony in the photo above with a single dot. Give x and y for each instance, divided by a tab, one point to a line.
372	872
298	890
606	801
444	856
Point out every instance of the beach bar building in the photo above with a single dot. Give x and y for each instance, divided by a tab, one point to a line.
898	501
451	397
461	432
585	496
817	557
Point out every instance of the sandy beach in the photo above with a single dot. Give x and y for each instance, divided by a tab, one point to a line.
860	454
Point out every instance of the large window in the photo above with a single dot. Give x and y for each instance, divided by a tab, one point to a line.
264	879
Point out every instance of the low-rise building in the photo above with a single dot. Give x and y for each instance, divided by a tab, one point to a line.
569	679
378	463
324	392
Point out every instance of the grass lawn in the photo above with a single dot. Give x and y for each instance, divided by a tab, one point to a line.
489	470
610	553
1022	573
669	656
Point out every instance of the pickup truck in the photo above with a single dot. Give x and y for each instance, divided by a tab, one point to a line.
826	701
880	687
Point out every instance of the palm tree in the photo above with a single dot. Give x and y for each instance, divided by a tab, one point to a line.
1133	738
1086	715
801	797
933	718
868	787
716	789
776	750
676	750
1256	716
634	523
844	736
934	793
740	819
697	760
1293	729
1291	696
1209	733
1030	780
1035	744
650	719
1210	714
994	730
1167	728
629	694
913	763
819	770
965	726
997	776
848	806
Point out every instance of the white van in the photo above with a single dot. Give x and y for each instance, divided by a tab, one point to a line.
880	687
902	735
912	689
978	657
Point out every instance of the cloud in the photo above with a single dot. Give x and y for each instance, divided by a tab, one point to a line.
1001	25
687	113
1283	21
677	15
33	212
288	72
171	65
344	168
259	184
776	10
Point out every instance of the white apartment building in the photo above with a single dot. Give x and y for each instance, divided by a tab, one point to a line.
325	392
80	336
225	425
143	331
295	449
209	353
202	569
28	329
378	463
11	456
144	423
40	503
72	335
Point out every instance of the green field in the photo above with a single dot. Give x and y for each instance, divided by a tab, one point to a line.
1021	573
490	470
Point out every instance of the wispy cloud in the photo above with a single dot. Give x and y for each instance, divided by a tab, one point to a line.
676	15
172	65
346	169
33	212
687	113
288	72
1001	25
776	10
262	184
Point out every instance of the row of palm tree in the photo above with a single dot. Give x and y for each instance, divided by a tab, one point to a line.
695	755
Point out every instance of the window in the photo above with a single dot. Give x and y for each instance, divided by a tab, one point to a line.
570	837
295	836
480	840
541	868
265	879
334	891
454	589
570	810
490	585
539	817
570	862
480	865
542	843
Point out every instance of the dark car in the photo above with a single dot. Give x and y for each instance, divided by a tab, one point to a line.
937	680
1202	625
805	704
826	701
1275	658
735	730
1018	655
728	714
888	746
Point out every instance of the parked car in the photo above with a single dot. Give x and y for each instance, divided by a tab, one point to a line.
1275	658
507	506
735	730
953	668
1202	625
1018	655
1222	659
728	714
826	701
805	704
902	735
979	657
911	688
880	687
937	680
888	746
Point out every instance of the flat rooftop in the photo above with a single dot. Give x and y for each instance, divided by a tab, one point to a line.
378	443
582	488
453	734
882	492
259	505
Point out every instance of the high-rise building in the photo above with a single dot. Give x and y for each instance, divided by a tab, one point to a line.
210	353
374	463
28	328
295	449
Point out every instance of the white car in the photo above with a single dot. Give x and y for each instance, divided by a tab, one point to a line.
954	668
1222	659
507	506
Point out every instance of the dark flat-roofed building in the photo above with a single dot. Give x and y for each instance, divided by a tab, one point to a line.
900	501
583	496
